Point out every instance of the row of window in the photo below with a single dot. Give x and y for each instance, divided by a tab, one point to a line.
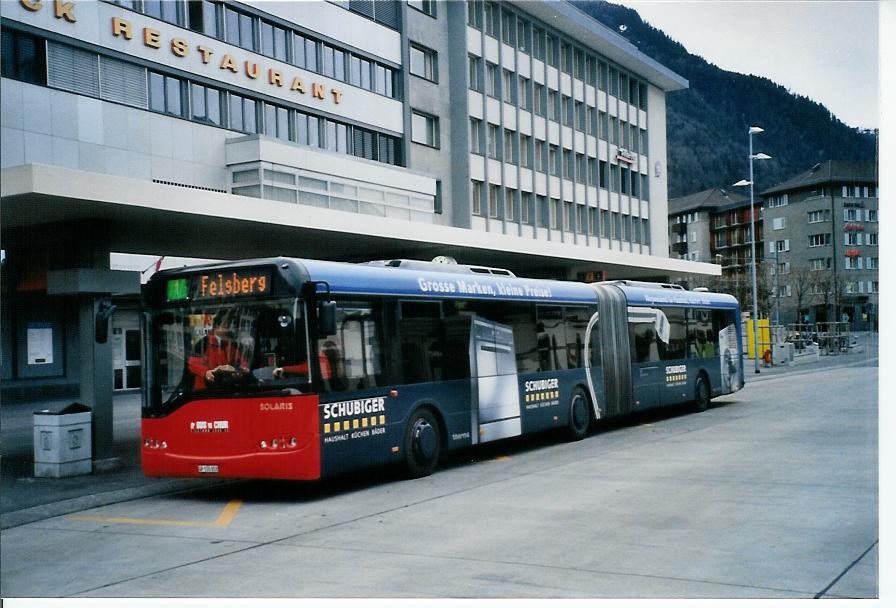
860	263
782	200
503	144
545	212
517	31
692	333
538	98
258	35
31	59
849	238
819	289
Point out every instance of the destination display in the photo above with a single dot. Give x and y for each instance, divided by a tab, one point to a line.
219	285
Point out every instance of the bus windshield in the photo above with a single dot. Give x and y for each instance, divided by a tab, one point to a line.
212	350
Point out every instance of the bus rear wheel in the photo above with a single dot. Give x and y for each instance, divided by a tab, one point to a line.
701	393
579	415
422	444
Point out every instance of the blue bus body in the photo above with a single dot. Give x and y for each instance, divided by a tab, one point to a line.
423	359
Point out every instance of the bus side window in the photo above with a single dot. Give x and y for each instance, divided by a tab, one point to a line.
353	353
676	348
576	324
422	348
551	338
702	340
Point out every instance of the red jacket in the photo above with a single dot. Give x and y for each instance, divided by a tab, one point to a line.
217	352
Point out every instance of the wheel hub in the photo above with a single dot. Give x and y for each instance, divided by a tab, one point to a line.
424	440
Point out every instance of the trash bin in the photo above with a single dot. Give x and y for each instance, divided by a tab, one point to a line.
62	441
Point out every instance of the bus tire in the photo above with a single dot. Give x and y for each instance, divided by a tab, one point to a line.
701	393
422	444
579	420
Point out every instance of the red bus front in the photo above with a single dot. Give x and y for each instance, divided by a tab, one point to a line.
229	391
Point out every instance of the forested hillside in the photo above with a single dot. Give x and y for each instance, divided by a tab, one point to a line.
707	123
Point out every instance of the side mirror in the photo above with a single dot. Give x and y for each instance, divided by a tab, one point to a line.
326	319
101	322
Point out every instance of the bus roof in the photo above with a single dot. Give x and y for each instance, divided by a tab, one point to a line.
344	278
657	296
289	275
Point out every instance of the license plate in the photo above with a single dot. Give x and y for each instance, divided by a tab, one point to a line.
208	468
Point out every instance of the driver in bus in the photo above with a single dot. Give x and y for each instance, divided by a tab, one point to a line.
221	362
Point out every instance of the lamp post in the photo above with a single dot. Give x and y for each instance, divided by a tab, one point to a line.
743	182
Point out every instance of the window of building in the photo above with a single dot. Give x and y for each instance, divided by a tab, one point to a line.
424	62
580	115
871	238
852	238
525	150
273	42
542	211
476	196
820	215
474	14
164	10
554	105
566	58
779	223
475	73
508	155
243	113
508	28
819	240
202	17
424	129
873	286
166	94
493	200
539	99
491	79
872	264
276	121
851	215
556	216
491	19
526	214
580	168
492	140
23	57
509	214
522	36
871	215
538	44
239	29
524	94
569	171
603	173
427	7
205	104
475	136
820	264
852	263
568	116
541	156
782	245
507	88
554	159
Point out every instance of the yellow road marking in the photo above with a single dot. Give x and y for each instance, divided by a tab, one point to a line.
223	520
502	458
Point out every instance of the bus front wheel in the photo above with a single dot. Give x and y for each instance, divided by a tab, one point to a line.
701	393
579	415
422	444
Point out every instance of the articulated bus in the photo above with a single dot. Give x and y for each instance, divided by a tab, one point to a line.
300	369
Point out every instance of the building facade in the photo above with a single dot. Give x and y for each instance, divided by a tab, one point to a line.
823	244
714	226
517	134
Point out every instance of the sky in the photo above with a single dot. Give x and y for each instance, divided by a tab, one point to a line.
824	49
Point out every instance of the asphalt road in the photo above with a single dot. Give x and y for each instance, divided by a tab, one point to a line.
772	493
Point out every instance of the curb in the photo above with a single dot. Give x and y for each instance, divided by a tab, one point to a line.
803	372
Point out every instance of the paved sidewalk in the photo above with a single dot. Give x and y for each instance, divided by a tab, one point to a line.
24	498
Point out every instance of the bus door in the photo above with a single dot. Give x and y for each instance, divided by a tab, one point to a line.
647	327
494	391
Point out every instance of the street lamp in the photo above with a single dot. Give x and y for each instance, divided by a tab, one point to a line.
743	182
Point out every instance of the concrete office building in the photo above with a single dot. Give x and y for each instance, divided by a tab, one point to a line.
822	234
517	134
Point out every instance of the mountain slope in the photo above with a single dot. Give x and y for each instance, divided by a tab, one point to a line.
707	123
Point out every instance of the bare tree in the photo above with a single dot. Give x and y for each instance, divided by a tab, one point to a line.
803	281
